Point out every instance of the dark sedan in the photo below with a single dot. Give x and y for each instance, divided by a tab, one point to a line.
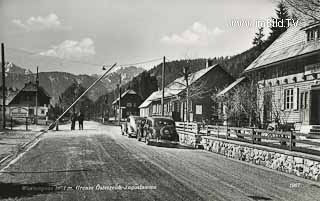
159	130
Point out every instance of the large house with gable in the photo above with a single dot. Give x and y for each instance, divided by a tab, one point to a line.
288	77
129	101
25	104
211	78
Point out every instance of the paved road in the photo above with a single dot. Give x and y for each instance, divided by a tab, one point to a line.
126	169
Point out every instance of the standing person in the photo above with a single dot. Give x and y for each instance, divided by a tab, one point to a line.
81	119
73	121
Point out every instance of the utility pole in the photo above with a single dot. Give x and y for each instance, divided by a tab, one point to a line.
3	88
186	77
162	85
119	100
37	88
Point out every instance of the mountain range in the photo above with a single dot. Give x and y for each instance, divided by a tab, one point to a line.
55	83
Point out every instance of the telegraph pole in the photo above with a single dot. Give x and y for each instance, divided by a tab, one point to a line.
37	87
3	88
162	85
186	77
119	100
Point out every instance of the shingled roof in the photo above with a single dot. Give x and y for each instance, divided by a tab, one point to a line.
129	91
291	43
177	86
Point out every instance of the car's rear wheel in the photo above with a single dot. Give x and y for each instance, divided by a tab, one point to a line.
147	141
138	136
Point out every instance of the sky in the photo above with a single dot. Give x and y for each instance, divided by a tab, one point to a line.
79	36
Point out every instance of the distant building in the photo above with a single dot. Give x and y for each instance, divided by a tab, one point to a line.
130	102
23	104
210	79
10	94
288	76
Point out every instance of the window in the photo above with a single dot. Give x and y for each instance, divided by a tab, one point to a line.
154	109
129	104
313	34
288	99
198	109
42	111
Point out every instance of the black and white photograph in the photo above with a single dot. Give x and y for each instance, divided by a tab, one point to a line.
160	100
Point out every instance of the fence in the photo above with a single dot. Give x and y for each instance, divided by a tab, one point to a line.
193	133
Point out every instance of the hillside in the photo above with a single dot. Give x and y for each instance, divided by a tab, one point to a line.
55	83
145	83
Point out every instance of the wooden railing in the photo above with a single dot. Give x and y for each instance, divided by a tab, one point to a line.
293	141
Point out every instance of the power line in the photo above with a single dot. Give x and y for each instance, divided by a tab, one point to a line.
32	53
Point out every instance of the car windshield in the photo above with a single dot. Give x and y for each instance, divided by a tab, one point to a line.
138	119
163	122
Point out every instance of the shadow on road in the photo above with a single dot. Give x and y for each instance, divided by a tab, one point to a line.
172	146
17	190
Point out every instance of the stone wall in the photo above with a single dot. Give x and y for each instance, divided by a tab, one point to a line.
302	165
190	139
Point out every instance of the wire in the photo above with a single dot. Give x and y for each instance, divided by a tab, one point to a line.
32	53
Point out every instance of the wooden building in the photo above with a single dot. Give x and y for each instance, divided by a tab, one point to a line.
24	103
287	73
130	102
201	86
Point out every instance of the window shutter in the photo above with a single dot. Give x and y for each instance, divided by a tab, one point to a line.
282	99
295	98
277	98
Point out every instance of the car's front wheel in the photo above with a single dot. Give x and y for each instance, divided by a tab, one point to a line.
147	140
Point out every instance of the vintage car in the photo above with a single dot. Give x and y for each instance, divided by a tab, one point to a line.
130	127
159	130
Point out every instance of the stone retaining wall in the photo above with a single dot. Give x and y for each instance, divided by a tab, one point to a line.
302	165
190	139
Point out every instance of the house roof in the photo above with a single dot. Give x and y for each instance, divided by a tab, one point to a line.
31	86
179	84
148	101
291	43
129	91
9	98
231	86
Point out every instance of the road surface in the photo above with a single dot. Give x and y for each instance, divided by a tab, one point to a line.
99	163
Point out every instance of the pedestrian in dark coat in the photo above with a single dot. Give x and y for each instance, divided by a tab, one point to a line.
73	121
81	119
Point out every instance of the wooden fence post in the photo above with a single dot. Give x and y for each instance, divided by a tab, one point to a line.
11	122
253	134
292	143
207	129
26	123
218	128
227	133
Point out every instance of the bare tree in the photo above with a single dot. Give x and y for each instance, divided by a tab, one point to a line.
241	101
305	8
